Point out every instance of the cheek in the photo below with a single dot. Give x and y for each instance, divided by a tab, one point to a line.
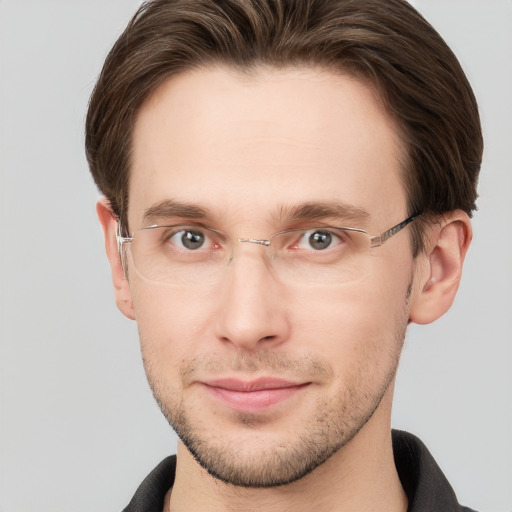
171	323
358	327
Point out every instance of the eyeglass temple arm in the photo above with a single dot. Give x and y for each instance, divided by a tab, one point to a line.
378	240
120	241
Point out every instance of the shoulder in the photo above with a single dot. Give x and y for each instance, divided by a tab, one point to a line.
425	484
150	494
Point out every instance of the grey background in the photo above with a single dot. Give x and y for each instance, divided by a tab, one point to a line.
78	426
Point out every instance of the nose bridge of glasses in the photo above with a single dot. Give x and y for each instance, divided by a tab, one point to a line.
268	254
266	243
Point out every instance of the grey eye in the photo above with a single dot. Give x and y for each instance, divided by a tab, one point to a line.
189	239
319	240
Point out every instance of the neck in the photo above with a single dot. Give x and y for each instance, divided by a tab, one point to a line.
360	476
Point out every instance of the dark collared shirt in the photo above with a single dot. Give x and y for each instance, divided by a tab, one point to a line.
423	481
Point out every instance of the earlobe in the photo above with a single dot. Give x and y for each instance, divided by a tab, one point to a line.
439	273
122	292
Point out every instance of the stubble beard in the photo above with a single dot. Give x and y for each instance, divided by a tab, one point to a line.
285	461
273	464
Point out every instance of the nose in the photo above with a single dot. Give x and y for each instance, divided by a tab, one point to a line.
252	304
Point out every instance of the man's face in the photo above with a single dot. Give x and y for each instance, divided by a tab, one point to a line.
265	378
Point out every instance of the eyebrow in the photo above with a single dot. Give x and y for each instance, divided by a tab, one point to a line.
323	210
169	208
310	211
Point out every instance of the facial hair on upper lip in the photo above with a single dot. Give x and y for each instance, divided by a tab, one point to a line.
264	363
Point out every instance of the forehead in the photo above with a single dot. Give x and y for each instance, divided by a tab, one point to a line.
246	143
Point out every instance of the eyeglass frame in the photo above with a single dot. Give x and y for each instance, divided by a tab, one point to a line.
375	240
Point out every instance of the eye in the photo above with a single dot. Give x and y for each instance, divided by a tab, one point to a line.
189	239
318	240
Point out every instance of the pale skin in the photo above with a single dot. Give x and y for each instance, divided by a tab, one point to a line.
244	148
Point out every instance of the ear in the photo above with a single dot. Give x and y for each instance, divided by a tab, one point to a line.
122	292
440	269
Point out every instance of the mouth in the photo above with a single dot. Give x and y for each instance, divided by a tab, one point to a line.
255	395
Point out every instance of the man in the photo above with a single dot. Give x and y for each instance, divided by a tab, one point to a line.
288	184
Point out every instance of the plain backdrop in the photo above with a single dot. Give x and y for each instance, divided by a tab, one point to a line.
78	426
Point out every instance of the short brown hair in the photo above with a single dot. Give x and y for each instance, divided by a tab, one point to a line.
387	43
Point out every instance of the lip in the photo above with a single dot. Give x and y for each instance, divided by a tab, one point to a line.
253	396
